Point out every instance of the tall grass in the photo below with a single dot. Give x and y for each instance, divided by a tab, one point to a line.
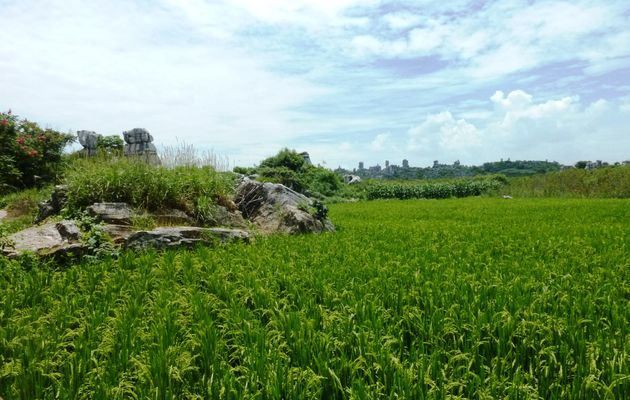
468	298
183	154
143	185
608	182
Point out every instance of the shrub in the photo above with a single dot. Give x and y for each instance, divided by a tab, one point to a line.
142	185
290	169
437	190
29	155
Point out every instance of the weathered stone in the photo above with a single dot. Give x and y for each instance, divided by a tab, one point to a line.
221	216
111	213
45	240
88	140
118	233
276	208
54	205
172	217
68	230
138	143
3	214
183	236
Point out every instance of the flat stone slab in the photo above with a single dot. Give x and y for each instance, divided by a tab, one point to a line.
3	214
46	239
183	236
111	213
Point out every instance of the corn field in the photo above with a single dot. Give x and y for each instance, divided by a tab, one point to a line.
424	299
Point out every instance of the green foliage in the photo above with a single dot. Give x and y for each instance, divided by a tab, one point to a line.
431	190
605	182
289	168
29	155
285	158
465	298
142	185
110	145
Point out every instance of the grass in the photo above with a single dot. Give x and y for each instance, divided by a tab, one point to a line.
425	299
142	185
607	182
21	209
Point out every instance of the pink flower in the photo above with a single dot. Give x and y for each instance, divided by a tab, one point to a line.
4	122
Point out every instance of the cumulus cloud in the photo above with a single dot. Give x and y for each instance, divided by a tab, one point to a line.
518	126
445	131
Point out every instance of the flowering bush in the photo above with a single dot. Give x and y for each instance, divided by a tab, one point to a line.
28	153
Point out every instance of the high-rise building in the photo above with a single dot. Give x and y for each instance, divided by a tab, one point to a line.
405	163
361	165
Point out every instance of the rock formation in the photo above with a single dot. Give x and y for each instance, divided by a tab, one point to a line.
54	239
138	142
276	208
88	140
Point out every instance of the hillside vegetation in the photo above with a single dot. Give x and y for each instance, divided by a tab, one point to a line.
425	299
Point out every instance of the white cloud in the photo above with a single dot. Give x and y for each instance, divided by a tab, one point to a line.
563	129
443	130
379	141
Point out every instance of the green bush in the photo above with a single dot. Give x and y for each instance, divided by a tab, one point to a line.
142	185
289	168
425	190
29	155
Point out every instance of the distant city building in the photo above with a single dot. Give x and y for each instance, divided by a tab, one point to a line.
361	167
386	163
405	163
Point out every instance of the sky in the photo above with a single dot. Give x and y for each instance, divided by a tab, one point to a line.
345	80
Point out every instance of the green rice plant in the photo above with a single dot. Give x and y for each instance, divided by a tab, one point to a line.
457	298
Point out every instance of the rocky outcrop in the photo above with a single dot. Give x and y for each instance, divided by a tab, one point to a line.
54	205
276	208
89	141
49	240
111	213
3	214
183	236
138	142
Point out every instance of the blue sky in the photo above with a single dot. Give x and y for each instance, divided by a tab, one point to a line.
345	80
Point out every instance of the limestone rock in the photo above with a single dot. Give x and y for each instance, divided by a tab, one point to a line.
54	205
3	214
138	142
88	140
183	236
111	213
51	240
276	208
118	233
172	216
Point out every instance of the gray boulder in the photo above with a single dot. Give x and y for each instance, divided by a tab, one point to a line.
111	213
3	214
183	236
49	240
88	140
138	142
276	208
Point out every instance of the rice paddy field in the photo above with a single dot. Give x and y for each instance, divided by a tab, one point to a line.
422	299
